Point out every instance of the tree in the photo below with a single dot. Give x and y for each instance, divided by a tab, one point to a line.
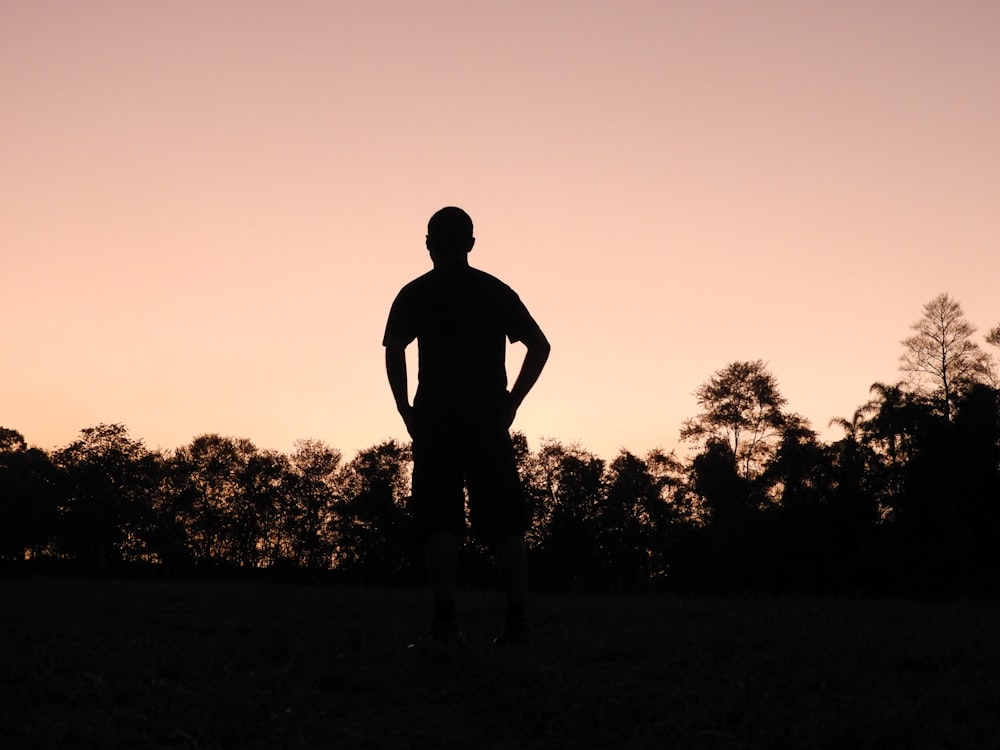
108	482
11	441
312	518
633	520
565	483
888	415
800	473
27	496
941	357
854	462
726	495
266	507
210	497
897	429
993	339
976	478
741	407
375	540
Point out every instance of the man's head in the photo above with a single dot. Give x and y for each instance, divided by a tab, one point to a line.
449	234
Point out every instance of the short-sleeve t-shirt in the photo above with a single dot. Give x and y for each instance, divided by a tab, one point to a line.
461	318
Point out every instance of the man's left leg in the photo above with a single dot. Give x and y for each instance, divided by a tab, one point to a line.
498	511
512	559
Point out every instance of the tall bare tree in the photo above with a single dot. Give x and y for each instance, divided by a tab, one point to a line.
993	339
941	358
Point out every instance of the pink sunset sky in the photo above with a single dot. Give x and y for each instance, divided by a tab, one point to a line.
207	208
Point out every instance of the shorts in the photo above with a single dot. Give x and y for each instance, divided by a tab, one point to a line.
454	453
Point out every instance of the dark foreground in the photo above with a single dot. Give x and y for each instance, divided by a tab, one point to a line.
200	665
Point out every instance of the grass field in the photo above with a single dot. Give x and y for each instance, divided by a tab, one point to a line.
107	664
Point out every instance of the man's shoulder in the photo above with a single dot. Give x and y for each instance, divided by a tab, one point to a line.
466	288
466	276
422	280
488	280
486	277
416	288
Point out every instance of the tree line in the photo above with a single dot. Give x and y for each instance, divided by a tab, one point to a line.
907	500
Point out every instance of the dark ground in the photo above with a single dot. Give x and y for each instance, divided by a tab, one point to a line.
230	665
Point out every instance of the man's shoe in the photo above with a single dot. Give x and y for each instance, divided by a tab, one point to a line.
517	632
444	634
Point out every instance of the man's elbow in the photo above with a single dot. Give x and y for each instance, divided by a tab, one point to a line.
392	344
395	360
539	346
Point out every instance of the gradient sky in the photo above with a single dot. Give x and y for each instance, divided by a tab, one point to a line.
207	208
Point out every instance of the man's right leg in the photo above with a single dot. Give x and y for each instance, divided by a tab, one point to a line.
512	559
438	503
442	565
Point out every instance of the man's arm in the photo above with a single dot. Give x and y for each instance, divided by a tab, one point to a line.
395	370
534	362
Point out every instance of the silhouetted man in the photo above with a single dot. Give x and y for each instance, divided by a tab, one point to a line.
461	319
